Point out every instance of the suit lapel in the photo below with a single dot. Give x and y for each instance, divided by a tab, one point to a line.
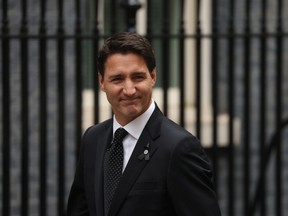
137	162
104	138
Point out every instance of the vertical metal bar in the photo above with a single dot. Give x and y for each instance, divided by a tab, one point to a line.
198	70
78	75
231	74
262	122
6	110
165	54
181	65
214	69
24	115
95	67
61	109
131	8
43	108
279	110
149	20
113	16
246	121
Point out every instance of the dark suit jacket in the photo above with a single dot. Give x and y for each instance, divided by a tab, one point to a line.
175	180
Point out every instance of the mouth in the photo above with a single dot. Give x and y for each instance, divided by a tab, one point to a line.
130	100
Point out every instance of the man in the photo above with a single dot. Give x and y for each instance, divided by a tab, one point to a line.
164	170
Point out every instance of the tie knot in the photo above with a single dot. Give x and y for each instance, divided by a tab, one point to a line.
120	133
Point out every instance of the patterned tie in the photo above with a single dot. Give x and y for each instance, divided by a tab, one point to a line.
113	165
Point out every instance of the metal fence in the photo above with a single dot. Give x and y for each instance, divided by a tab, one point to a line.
42	81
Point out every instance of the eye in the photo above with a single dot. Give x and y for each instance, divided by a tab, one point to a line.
139	77
116	79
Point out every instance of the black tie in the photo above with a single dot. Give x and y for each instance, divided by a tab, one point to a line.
113	165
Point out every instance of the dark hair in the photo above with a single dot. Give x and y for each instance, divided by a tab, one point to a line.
126	42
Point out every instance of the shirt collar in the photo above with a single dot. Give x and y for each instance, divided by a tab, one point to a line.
135	127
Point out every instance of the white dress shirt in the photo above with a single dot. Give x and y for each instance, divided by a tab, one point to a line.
134	129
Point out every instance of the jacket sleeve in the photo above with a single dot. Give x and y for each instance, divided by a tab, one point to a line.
77	201
190	181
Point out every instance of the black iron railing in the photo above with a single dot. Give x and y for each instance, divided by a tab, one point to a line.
257	200
235	78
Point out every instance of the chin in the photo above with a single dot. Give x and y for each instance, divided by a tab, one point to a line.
133	113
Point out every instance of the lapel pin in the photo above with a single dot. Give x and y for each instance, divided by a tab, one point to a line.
145	154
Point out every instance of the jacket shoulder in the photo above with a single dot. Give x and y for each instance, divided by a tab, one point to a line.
174	128
103	126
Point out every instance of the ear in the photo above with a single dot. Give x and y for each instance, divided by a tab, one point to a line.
101	81
153	76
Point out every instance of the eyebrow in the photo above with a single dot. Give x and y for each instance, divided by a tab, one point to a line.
132	74
115	76
138	73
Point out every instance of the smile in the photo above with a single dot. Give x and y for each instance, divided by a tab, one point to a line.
130	100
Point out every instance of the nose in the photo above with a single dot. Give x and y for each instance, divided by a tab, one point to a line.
129	88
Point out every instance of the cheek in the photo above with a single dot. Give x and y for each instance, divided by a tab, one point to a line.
112	92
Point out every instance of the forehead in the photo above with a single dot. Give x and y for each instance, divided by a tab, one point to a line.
124	54
125	60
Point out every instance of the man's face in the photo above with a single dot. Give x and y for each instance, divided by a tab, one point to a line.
128	85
